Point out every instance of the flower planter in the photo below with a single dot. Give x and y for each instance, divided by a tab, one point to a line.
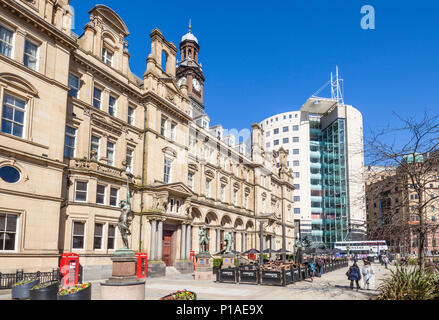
48	292
181	295
84	294
22	291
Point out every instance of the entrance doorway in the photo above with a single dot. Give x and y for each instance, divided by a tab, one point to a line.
167	248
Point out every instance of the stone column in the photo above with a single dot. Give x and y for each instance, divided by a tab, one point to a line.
183	242
188	241
243	249
160	240
153	240
218	240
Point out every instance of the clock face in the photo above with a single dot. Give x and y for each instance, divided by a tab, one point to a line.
196	84
181	81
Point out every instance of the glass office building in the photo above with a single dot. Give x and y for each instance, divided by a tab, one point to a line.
330	216
328	168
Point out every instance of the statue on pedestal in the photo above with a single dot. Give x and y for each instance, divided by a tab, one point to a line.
204	239
229	240
126	217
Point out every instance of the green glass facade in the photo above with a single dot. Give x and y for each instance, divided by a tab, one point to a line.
329	192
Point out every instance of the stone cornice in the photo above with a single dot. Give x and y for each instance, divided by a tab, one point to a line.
249	214
31	195
36	74
98	70
88	108
179	145
37	22
150	96
92	167
46	161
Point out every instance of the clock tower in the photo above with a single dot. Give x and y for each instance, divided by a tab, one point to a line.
190	69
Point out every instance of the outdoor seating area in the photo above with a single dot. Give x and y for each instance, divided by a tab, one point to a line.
277	273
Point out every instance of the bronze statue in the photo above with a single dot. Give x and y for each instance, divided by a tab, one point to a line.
204	239
126	216
230	240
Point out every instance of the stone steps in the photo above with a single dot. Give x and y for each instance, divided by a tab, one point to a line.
171	271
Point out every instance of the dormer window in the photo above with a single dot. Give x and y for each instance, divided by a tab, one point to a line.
107	57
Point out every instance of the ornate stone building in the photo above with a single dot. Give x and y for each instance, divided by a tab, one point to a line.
74	116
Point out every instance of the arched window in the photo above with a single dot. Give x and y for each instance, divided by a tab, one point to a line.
164	60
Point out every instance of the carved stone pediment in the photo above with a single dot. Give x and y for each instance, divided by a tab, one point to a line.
193	167
103	123
178	189
209	173
224	180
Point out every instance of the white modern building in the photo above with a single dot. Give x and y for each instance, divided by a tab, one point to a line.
324	142
290	130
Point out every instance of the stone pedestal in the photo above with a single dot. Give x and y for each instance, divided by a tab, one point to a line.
184	266
228	261
156	269
123	284
204	270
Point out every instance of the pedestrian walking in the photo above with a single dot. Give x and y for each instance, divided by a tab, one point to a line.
367	272
311	269
354	274
386	261
320	267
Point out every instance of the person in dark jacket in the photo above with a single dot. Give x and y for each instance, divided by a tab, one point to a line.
354	274
320	267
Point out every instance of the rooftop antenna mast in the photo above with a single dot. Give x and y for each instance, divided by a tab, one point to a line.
337	90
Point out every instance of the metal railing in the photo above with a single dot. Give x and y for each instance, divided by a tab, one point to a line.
7	280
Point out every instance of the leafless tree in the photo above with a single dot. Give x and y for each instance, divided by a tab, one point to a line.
407	185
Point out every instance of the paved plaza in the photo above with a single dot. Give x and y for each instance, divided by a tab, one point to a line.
331	286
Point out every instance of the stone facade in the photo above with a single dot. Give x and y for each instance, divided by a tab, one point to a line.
391	202
86	117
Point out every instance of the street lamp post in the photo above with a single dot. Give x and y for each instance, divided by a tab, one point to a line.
261	236
261	242
284	244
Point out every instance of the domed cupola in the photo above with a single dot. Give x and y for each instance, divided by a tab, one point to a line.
189	36
189	69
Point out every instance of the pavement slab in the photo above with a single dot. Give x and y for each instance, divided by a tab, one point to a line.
331	286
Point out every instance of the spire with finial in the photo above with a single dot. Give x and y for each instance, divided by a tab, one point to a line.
189	36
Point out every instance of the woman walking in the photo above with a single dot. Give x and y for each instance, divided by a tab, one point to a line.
367	272
354	274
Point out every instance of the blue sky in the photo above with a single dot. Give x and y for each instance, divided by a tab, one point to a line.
266	57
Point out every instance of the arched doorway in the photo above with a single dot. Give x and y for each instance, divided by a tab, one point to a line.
209	221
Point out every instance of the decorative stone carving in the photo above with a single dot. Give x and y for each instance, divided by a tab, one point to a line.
159	202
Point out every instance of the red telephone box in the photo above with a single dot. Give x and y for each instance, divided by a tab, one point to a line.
192	257
69	266
142	265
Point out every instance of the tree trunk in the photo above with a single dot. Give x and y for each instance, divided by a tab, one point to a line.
421	253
